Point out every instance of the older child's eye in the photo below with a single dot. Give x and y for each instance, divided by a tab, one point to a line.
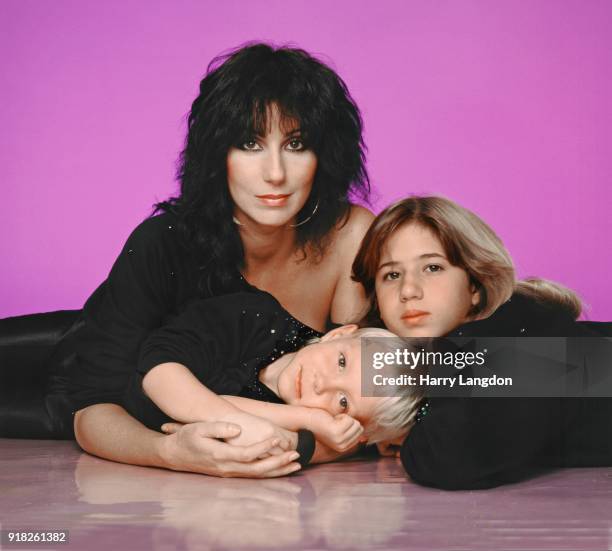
433	268
342	361
343	403
296	144
390	276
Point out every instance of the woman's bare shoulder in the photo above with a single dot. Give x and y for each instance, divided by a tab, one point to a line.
351	231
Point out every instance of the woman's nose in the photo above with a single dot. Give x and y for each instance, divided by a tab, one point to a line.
274	168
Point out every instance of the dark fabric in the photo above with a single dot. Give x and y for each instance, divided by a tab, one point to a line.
33	375
224	341
474	443
153	275
67	361
306	446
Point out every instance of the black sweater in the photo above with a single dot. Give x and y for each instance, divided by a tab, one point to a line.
153	277
473	443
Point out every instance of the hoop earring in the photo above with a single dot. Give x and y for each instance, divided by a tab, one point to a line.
236	221
306	219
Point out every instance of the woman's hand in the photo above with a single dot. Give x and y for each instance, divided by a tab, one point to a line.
108	431
255	429
198	447
340	432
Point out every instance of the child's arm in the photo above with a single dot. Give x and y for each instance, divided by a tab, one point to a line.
180	395
338	434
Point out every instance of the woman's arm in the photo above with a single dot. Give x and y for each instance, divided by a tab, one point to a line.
108	431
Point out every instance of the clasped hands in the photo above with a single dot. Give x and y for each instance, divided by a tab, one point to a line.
244	445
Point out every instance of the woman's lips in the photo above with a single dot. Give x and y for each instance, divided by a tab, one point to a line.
414	317
274	200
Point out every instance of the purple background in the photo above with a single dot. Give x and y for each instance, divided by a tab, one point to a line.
502	106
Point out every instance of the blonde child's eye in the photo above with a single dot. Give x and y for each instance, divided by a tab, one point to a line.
342	361
433	268
343	403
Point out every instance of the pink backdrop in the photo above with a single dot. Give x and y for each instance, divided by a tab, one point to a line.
503	106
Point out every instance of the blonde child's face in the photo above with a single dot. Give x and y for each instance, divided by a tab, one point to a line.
419	293
327	375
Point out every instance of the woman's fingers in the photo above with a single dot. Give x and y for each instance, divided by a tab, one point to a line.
276	450
247	454
171	428
219	429
273	466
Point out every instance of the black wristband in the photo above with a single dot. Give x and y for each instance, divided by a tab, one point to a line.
305	446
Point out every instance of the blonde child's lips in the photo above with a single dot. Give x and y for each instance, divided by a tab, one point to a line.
298	383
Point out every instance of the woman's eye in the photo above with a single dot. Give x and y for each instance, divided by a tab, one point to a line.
433	268
390	276
343	403
250	145
295	145
342	361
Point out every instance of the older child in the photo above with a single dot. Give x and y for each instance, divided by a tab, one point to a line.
433	268
243	353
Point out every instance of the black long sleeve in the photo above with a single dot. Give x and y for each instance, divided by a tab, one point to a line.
153	275
224	341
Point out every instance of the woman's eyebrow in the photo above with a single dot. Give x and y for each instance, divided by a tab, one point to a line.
432	255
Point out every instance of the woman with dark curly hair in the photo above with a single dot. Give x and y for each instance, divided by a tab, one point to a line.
273	156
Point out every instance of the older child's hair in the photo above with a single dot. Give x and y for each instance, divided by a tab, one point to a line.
468	243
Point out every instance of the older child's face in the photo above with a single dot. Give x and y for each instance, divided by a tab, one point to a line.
270	177
419	293
327	375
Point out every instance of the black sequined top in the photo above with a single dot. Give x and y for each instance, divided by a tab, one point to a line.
155	276
225	342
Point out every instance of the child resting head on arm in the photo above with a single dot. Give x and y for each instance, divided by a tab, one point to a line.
243	358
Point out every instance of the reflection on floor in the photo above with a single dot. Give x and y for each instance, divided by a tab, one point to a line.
363	504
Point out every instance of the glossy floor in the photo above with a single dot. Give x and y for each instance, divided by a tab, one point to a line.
362	504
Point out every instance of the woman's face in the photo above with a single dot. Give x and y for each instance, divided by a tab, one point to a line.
270	177
419	293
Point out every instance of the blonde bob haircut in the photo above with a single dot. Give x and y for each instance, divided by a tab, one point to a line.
394	415
468	243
